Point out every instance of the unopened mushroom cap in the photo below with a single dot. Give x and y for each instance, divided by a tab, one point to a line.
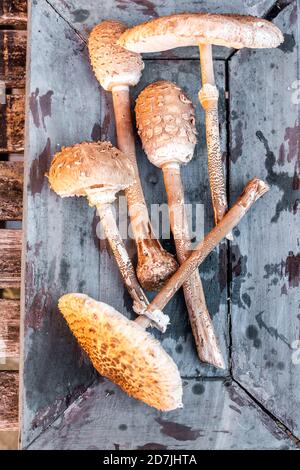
123	351
89	165
112	64
191	29
165	119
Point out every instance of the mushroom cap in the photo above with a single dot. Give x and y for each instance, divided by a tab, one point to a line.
112	64
192	29
89	165
165	119
123	351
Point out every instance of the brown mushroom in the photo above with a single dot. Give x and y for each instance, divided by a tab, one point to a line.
122	351
116	69
204	30
166	124
98	171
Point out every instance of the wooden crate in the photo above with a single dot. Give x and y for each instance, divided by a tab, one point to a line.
254	403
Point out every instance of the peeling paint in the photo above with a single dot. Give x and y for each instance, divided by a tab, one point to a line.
38	169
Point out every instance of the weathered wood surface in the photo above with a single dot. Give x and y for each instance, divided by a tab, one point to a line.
9	401
84	17
10	258
11	190
62	254
13	13
12	116
178	339
13	58
265	130
62	250
9	331
216	415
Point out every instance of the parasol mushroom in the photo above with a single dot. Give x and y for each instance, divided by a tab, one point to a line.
98	170
120	349
166	124
116	69
204	30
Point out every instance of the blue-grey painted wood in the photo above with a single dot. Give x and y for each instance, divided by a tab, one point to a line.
265	133
59	253
83	16
216	415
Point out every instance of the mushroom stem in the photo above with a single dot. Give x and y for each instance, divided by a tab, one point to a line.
155	265
140	301
208	97
252	192
202	326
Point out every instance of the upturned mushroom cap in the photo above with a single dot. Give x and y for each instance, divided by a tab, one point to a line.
165	119
89	165
112	64
192	29
123	351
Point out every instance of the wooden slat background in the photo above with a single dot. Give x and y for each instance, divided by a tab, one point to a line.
218	413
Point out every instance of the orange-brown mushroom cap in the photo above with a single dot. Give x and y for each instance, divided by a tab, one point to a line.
123	351
89	165
112	64
192	29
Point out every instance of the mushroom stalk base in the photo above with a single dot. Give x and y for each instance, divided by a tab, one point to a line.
208	97
140	301
252	192
202	326
155	265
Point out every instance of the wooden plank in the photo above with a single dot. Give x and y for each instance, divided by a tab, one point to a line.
13	13
9	331
265	117
9	440
12	115
9	401
11	190
84	18
10	258
216	415
13	58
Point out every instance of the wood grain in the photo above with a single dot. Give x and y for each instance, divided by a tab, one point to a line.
62	252
265	258
216	415
62	249
132	12
13	58
12	115
9	401
10	258
11	190
9	330
13	13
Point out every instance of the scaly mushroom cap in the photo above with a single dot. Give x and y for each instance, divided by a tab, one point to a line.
192	29
165	119
123	351
112	64
89	165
